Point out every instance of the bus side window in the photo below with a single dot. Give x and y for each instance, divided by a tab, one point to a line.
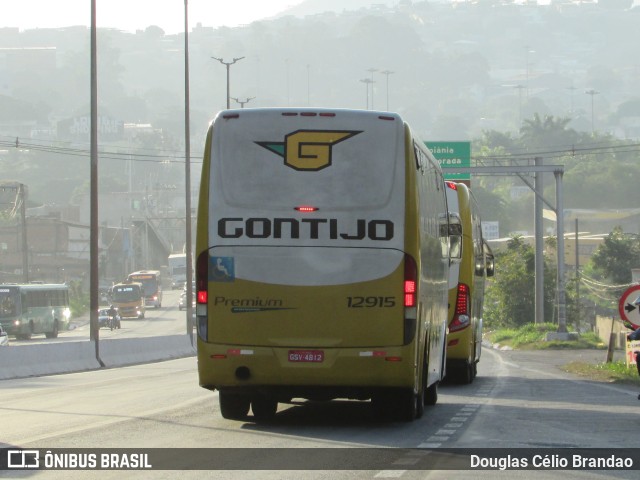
455	236
418	154
443	234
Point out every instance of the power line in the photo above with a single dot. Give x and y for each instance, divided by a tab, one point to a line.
604	286
568	151
179	157
106	154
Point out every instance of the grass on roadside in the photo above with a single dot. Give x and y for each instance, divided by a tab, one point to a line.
532	337
614	372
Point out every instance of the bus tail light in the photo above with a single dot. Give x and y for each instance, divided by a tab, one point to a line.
202	277
202	294
461	319
410	281
410	294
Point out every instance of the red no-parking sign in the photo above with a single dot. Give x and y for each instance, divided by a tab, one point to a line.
629	306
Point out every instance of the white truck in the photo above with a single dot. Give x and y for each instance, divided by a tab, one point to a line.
177	263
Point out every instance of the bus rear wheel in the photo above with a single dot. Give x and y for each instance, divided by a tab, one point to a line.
264	408
398	405
53	333
27	336
234	407
431	395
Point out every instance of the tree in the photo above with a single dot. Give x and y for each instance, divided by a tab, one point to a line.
616	256
542	134
510	297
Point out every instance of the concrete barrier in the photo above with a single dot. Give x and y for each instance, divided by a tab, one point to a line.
129	351
19	361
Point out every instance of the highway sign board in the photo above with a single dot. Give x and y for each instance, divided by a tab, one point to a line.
452	154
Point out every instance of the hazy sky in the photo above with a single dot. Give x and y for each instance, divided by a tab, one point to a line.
132	15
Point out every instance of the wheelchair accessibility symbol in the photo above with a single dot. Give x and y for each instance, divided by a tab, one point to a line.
221	269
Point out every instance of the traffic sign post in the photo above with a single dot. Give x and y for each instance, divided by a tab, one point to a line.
629	308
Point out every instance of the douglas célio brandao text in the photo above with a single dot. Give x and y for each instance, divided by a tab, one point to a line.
552	462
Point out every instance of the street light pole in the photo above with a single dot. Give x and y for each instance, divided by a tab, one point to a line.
527	51
571	89
242	103
593	93
367	81
372	82
520	88
228	64
308	85
387	73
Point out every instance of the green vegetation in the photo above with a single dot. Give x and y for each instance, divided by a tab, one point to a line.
78	299
510	296
614	372
532	337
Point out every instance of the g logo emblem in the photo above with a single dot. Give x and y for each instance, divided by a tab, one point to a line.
308	150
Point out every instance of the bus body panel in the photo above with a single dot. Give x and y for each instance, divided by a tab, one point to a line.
465	345
307	223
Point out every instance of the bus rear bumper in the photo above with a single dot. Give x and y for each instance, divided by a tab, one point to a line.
314	373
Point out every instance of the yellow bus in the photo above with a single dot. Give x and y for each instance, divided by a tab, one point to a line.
129	299
471	263
321	262
151	281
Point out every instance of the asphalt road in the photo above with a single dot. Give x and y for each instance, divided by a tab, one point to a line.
519	400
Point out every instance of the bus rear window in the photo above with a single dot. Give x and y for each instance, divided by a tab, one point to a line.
355	172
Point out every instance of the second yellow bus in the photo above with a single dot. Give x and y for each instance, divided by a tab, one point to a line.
470	266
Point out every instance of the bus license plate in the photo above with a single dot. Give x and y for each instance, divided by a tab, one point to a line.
306	356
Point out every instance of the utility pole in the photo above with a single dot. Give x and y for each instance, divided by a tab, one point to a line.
367	81
22	195
187	172
387	73
94	226
539	239
577	252
228	64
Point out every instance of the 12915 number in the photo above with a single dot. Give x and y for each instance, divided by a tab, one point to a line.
371	302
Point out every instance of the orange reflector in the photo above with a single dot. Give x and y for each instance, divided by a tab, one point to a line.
393	359
218	356
453	342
